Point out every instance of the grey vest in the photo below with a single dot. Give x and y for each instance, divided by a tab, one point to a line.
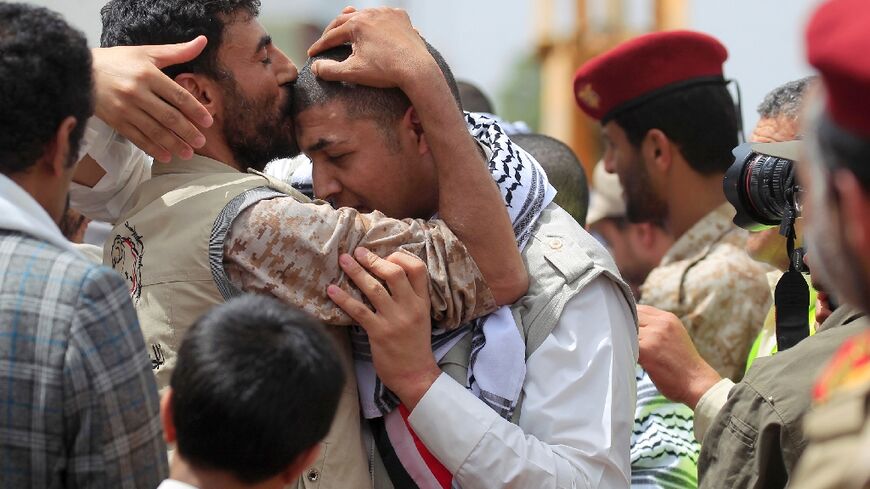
169	247
562	258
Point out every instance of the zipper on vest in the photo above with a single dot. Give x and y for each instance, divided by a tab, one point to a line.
371	458
369	442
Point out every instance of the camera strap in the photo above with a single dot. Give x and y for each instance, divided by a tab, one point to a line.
792	295
792	299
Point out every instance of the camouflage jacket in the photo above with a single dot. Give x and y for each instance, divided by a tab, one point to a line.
719	293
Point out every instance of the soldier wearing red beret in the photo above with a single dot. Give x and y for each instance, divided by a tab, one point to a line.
669	125
836	176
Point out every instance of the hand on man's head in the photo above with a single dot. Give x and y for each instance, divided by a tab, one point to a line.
146	106
670	358
387	50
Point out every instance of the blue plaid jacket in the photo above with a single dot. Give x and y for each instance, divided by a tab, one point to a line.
78	402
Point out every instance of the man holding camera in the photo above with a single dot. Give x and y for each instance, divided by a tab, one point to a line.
772	427
753	437
669	125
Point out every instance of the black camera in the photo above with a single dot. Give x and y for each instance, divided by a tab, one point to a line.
761	184
762	187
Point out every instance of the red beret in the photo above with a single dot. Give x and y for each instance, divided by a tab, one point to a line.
838	40
644	67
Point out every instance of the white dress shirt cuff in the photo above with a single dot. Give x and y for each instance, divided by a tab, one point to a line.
709	406
451	422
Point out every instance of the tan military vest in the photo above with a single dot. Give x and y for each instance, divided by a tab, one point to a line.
562	259
169	247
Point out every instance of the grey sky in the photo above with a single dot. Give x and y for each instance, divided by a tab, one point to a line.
483	38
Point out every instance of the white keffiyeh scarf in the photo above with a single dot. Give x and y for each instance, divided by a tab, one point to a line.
497	365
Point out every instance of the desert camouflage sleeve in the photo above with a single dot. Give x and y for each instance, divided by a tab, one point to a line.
723	300
290	250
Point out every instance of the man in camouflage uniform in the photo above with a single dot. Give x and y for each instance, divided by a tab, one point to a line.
668	133
755	435
200	231
837	181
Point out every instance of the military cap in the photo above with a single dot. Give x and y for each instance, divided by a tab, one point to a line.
838	40
645	67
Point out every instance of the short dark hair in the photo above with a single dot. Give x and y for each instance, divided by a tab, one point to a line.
842	149
564	171
141	22
384	105
45	77
785	100
473	99
701	120
256	384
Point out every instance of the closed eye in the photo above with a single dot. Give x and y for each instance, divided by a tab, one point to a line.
264	46
335	159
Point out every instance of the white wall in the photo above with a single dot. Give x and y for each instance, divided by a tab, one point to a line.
764	39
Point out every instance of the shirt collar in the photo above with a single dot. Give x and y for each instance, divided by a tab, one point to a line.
700	238
20	212
174	484
842	315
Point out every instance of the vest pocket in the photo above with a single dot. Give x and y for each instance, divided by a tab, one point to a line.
743	432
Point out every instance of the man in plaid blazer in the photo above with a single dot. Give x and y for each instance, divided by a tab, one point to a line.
78	402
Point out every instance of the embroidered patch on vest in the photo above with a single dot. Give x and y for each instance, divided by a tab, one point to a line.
127	254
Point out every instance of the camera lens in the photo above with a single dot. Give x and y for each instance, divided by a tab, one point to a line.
760	187
768	181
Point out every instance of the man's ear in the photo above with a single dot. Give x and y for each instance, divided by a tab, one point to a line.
656	148
854	203
166	417
56	159
645	234
411	121
205	90
303	461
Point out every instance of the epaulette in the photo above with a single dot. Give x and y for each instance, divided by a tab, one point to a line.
849	368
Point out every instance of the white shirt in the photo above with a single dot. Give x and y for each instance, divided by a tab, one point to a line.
126	167
174	484
575	426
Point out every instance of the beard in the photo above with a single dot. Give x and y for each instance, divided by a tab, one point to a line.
838	267
256	132
641	202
